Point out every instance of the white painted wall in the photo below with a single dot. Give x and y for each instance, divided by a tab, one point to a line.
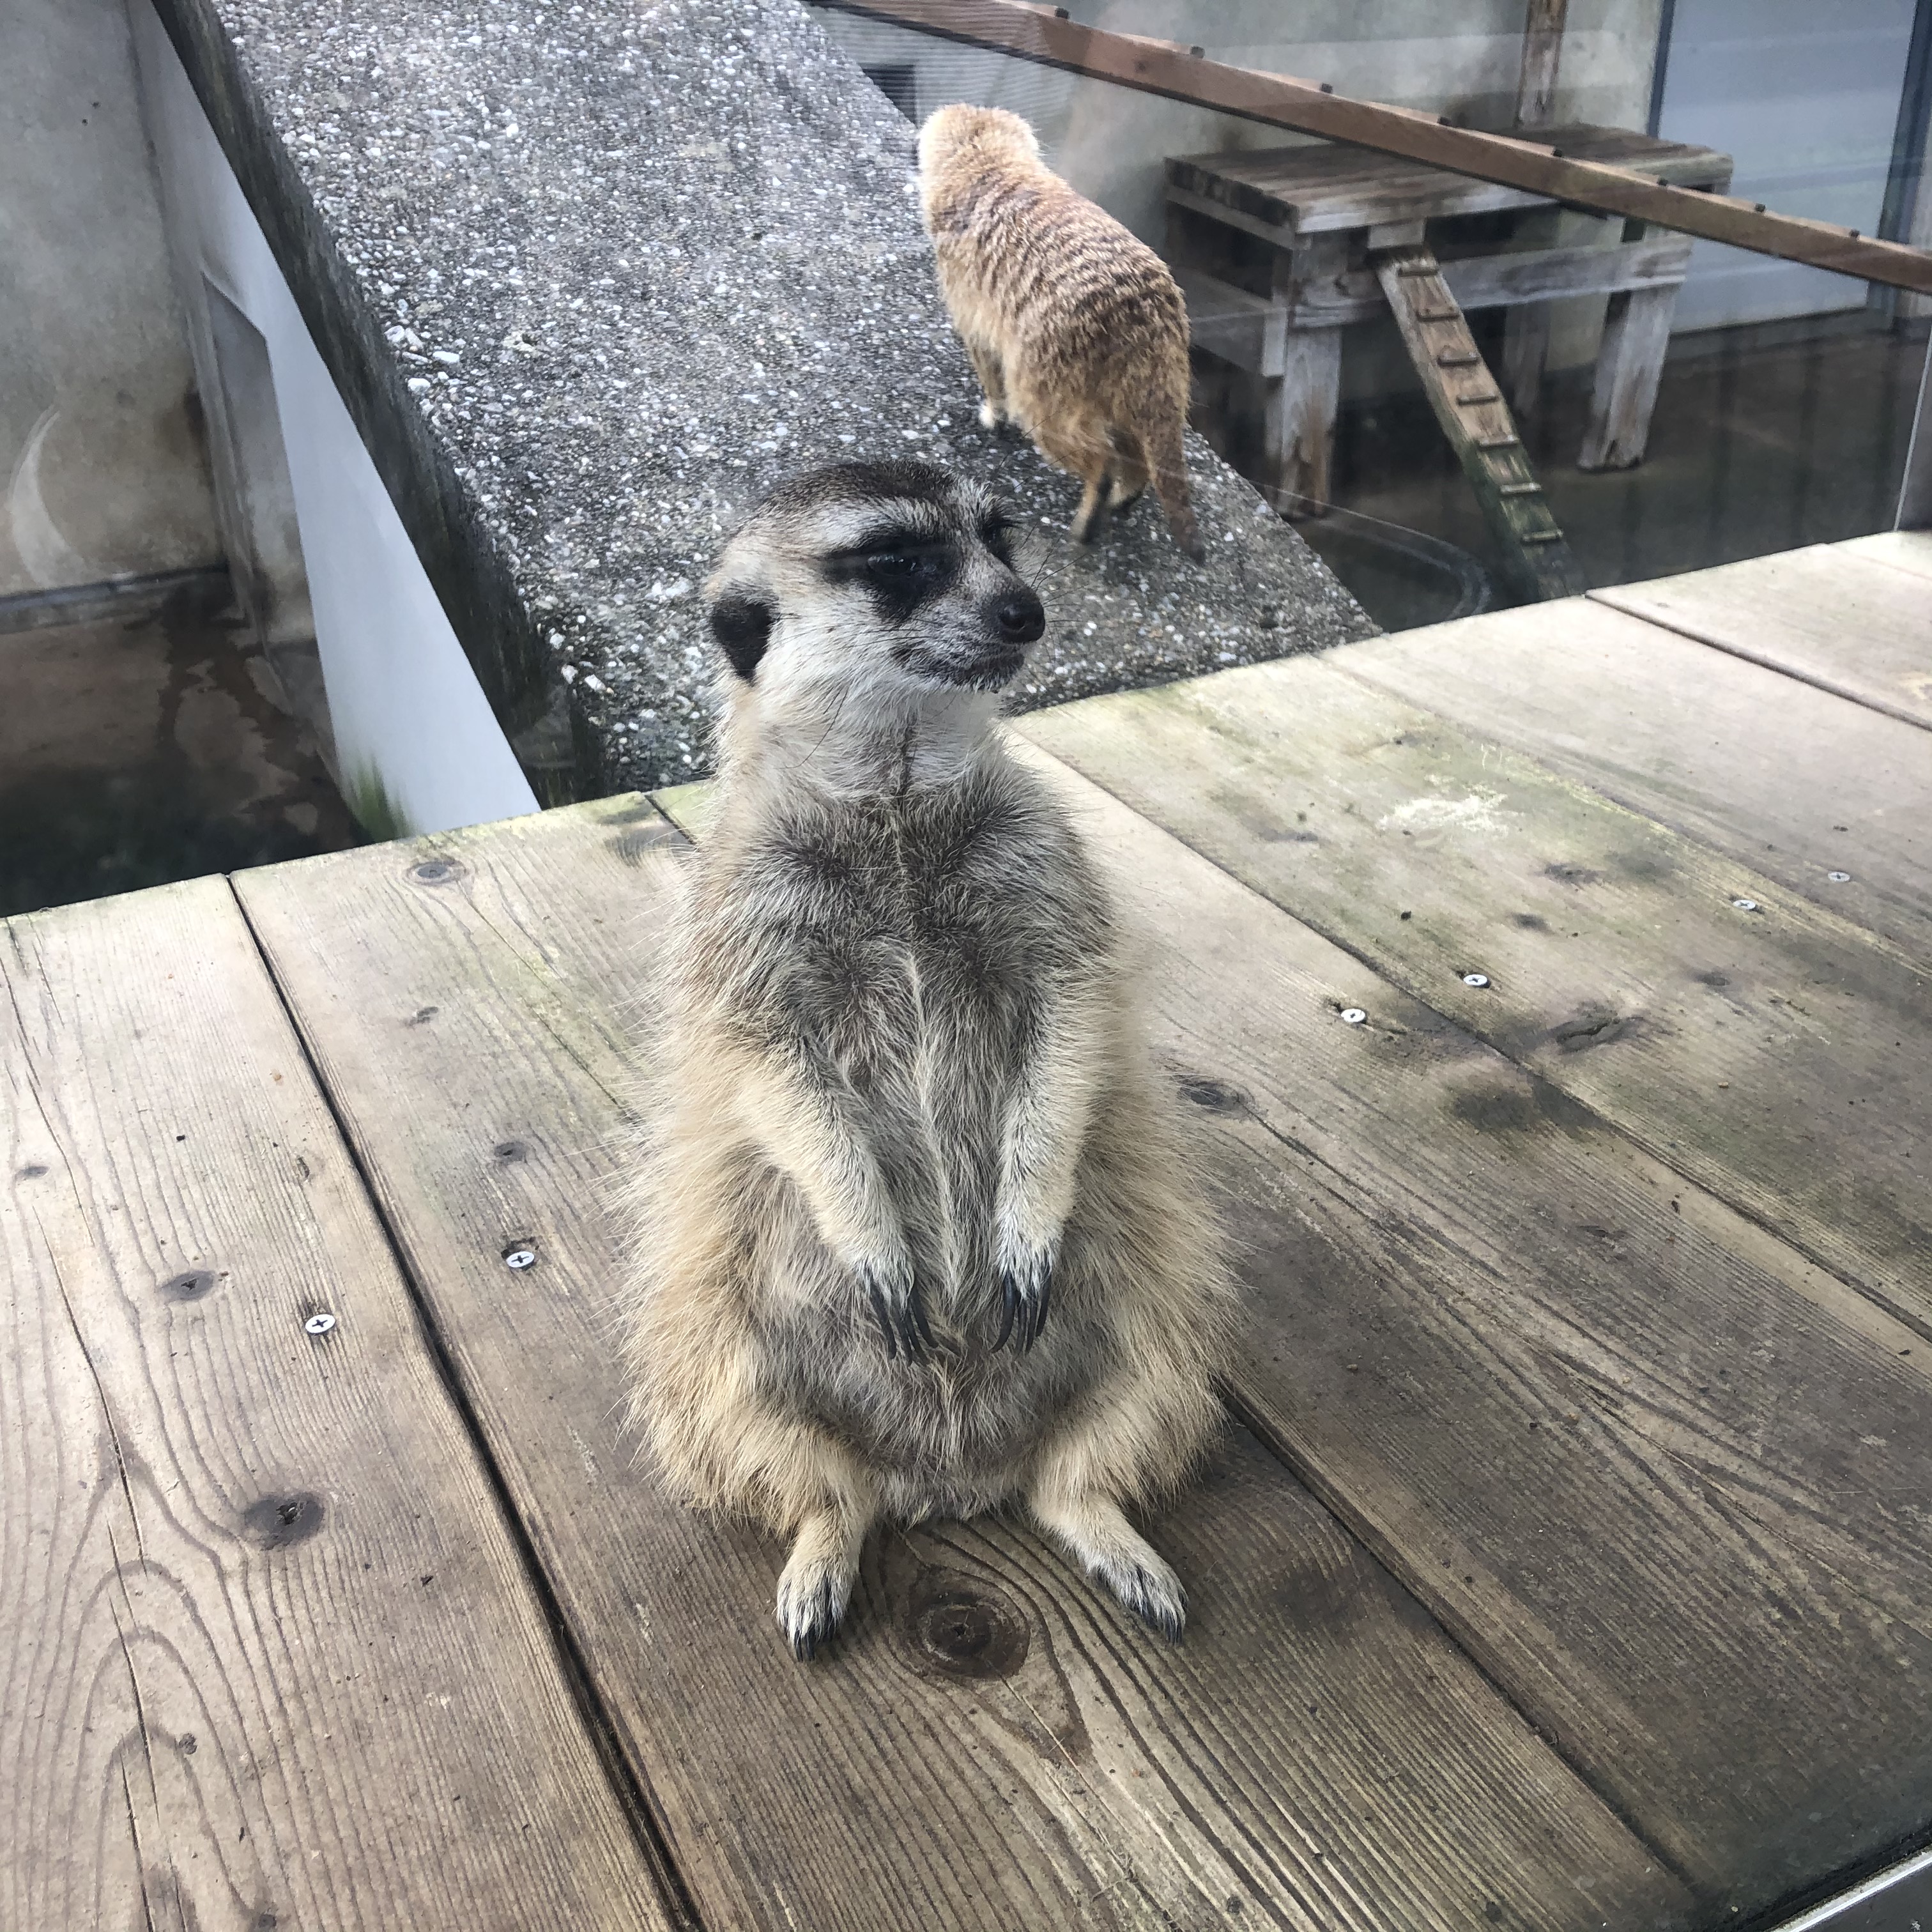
407	710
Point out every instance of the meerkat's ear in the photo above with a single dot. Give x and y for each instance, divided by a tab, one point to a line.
741	621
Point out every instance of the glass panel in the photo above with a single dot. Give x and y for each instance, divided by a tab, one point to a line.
1784	393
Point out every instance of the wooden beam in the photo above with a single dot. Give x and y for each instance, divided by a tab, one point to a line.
1542	50
1037	34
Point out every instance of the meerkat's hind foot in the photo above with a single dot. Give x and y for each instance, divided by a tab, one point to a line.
1092	510
1096	1533
815	1588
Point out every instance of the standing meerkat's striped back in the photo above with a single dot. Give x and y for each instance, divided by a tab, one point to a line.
1075	327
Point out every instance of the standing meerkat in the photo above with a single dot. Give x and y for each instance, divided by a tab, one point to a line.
1076	328
920	1235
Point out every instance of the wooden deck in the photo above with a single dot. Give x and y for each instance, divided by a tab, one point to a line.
1567	1564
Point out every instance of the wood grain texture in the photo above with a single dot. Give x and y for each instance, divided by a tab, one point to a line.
1778	1055
1661	1474
268	1655
1793	781
991	1744
1832	615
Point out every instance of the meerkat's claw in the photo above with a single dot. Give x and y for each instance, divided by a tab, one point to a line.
899	1310
1093	1530
1026	1290
1152	1591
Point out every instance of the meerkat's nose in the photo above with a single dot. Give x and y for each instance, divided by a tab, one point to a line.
1020	616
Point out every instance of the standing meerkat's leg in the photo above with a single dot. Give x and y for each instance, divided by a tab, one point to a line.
987	365
1093	1530
1137	1430
1130	473
1086	524
1040	1142
802	1116
816	1585
1089	457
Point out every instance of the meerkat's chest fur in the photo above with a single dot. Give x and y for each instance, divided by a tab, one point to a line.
913	940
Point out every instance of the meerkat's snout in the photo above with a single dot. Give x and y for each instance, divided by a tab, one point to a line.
896	571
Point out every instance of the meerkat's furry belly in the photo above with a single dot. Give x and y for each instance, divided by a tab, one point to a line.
952	1434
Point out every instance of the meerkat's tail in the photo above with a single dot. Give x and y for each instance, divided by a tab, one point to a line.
1167	462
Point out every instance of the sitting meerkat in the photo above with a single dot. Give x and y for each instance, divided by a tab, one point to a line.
920	1236
1075	327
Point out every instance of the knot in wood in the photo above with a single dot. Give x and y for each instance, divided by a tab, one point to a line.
960	1627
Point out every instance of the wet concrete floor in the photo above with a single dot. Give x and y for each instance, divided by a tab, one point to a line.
1756	445
149	743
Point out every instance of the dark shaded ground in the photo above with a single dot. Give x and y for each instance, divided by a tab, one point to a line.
1759	444
148	745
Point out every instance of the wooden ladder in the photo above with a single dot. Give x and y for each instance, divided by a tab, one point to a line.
1476	421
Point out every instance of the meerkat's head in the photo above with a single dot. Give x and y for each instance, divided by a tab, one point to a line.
893	578
989	133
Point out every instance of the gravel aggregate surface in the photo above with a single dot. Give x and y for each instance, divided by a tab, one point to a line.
635	263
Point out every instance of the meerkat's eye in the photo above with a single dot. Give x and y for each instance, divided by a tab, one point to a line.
893	566
997	533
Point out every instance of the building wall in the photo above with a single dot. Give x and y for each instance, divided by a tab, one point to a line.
101	458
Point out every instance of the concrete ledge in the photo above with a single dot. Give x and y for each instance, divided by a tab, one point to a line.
590	276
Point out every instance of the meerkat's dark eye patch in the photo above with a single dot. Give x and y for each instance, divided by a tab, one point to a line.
901	568
742	625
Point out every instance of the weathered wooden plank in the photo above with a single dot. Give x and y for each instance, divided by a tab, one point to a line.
1831	615
1764	1049
1612	1430
1829	798
1232	323
1311	190
268	1654
1903	550
1542	54
1318	1757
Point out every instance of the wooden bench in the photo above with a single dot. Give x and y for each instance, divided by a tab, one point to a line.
1273	250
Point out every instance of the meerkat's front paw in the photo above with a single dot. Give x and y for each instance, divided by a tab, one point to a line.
813	1593
1026	1291
892	1290
989	417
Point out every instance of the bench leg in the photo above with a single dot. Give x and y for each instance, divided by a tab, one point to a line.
1526	349
1300	418
1636	332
